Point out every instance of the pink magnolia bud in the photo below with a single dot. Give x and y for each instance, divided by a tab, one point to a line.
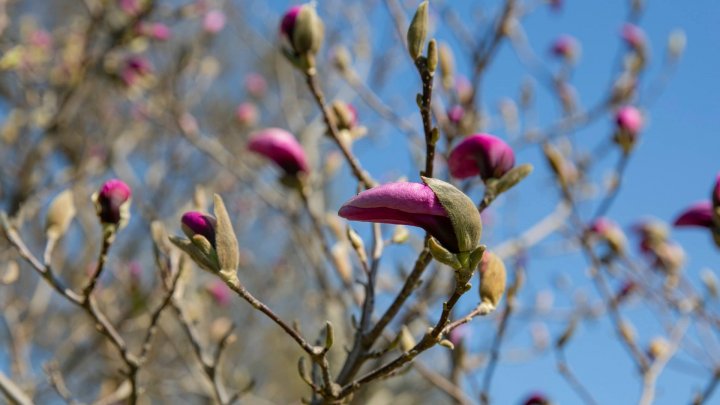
111	202
610	232
566	46
481	154
633	36
455	114
255	85
196	223
287	25
157	31
220	293
537	399
464	89
130	7
134	69
629	119
281	147
247	114
214	21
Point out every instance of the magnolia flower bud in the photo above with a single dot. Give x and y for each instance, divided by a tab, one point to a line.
255	85
418	31
492	281
341	58
447	66
676	43
610	232
220	293
247	114
303	29
481	154
432	56
566	47
658	347
196	223
629	121
214	21
60	214
112	203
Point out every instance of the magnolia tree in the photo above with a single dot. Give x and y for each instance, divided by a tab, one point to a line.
185	185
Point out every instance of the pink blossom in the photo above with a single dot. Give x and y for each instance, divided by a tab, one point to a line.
633	36
255	84
455	114
281	147
112	196
481	154
629	119
214	21
220	293
287	25
196	223
247	114
699	214
134	68
565	46
403	203
157	31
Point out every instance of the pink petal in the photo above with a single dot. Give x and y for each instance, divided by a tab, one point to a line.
699	214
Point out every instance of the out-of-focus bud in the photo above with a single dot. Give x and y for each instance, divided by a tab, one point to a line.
537	399
676	43
565	170
624	87
492	281
610	232
510	115
341	58
407	342
447	66
255	85
214	21
459	334
652	233
540	335
418	31
134	69
634	37
658	348
555	5
345	115
670	257
156	31
629	122
400	234
432	56
627	331
247	114
627	288
130	7
220	293
60	214
464	89
566	47
455	114
709	279
112	203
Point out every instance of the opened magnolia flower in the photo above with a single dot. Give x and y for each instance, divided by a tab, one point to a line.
439	208
481	154
281	147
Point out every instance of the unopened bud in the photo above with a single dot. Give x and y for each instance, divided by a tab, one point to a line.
447	66
112	203
418	31
676	43
407	342
341	58
658	348
400	234
627	331
710	281
432	56
60	215
492	281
